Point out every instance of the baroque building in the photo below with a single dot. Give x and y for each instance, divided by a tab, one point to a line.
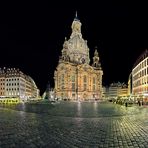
75	78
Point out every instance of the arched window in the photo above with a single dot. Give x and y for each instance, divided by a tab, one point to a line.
85	79
85	82
73	78
94	84
73	82
94	80
62	81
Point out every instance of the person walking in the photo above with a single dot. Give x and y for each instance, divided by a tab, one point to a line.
139	103
126	103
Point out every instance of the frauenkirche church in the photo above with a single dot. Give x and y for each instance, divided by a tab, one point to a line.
75	78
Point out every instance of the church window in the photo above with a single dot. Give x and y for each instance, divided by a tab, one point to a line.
85	82
94	84
62	86
94	87
62	81
73	86
73	82
62	76
62	67
94	80
83	60
85	86
85	79
73	78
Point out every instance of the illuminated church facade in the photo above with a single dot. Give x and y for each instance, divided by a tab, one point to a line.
74	77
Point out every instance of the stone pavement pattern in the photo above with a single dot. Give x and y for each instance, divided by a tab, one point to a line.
72	124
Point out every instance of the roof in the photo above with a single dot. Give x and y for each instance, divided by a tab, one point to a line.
141	58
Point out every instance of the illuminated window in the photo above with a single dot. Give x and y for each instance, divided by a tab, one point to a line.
73	78
94	87
85	86
85	79
94	80
62	87
62	78
62	81
73	86
85	82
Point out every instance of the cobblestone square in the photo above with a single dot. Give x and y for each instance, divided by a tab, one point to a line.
73	124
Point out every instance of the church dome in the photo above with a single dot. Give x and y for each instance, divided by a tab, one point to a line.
76	47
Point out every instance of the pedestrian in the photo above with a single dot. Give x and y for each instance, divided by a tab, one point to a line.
139	103
126	104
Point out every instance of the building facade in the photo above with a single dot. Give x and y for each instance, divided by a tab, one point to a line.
130	84
75	78
117	90
14	83
140	76
105	94
123	91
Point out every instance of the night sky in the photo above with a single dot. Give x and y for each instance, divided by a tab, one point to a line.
32	36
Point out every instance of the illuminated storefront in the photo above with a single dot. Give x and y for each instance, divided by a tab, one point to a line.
15	84
140	77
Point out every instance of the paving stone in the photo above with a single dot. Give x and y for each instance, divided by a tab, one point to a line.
64	126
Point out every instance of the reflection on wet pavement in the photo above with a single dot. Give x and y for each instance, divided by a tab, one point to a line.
73	124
